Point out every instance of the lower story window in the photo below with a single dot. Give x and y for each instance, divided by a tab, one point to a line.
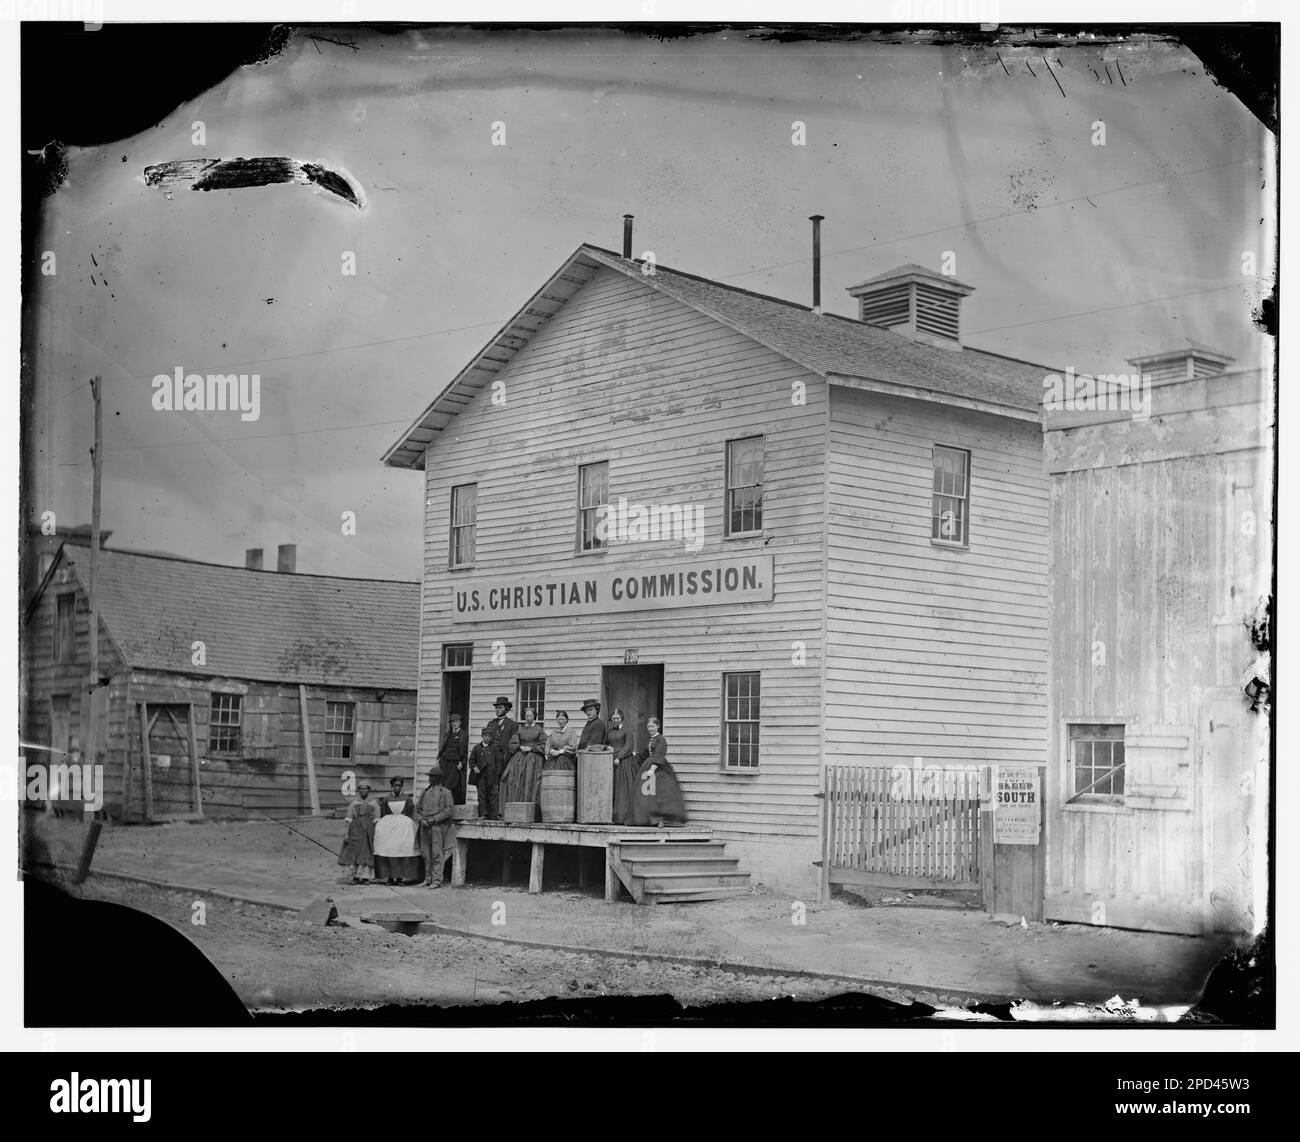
531	695
740	719
224	723
340	724
1096	761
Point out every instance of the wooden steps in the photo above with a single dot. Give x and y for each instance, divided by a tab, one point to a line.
676	870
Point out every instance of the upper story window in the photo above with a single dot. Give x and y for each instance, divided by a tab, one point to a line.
1096	760
745	486
950	505
593	494
464	525
65	612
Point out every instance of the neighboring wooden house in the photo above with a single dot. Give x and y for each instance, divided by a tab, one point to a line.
1162	532
208	670
869	583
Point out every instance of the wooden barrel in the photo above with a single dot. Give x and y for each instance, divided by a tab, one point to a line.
557	795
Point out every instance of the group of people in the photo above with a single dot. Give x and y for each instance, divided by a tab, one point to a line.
386	839
507	763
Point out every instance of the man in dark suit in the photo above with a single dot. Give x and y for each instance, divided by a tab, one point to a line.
503	730
453	756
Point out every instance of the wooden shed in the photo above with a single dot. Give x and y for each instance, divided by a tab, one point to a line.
230	691
805	541
1158	709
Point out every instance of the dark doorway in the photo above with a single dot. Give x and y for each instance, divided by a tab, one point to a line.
639	692
455	700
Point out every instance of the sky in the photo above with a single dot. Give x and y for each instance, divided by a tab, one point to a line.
1080	254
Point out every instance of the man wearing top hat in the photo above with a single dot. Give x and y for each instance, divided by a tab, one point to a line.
593	734
503	729
453	756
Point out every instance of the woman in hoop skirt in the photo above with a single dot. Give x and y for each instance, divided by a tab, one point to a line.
627	772
659	795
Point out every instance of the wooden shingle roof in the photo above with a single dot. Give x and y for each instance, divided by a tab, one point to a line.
256	625
831	346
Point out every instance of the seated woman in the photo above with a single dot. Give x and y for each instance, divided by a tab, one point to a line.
523	773
397	857
659	792
358	853
562	745
626	770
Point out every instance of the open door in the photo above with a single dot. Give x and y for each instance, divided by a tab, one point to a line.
639	692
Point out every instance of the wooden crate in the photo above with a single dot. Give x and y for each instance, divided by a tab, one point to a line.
520	812
464	813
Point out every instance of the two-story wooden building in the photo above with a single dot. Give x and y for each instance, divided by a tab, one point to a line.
798	538
229	690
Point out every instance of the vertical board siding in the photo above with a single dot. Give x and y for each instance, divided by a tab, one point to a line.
932	652
627	375
1152	582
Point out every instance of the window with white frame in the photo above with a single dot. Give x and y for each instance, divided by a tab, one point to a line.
950	505
340	728
531	695
593	494
224	722
745	486
1096	761
464	525
741	692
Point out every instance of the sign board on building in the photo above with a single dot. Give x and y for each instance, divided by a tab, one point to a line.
631	657
1016	805
634	587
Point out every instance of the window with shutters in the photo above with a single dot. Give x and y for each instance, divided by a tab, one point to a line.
340	725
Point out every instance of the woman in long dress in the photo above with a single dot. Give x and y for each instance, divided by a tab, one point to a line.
397	856
626	769
659	792
523	773
562	745
358	852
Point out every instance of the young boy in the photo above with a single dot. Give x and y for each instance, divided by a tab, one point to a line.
484	774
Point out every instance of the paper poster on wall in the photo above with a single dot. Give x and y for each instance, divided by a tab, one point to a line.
1016	805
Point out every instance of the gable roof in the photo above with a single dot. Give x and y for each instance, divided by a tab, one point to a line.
831	346
258	625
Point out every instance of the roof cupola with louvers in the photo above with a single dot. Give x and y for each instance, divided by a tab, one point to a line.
916	302
1186	361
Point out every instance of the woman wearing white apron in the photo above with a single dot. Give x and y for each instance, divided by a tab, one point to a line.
397	856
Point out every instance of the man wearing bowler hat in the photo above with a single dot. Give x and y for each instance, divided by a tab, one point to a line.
503	729
593	733
436	832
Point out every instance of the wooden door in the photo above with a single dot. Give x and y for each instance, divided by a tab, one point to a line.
60	724
639	692
171	769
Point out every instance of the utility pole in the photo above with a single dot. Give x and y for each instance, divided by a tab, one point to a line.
91	725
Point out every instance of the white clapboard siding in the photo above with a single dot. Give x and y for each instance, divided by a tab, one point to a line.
931	652
624	374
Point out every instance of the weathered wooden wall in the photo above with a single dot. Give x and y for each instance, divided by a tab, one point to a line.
934	652
1161	536
627	375
270	772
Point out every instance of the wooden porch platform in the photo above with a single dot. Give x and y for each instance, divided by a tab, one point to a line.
540	834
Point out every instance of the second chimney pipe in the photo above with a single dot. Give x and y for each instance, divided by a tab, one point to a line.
816	220
286	558
627	236
253	558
